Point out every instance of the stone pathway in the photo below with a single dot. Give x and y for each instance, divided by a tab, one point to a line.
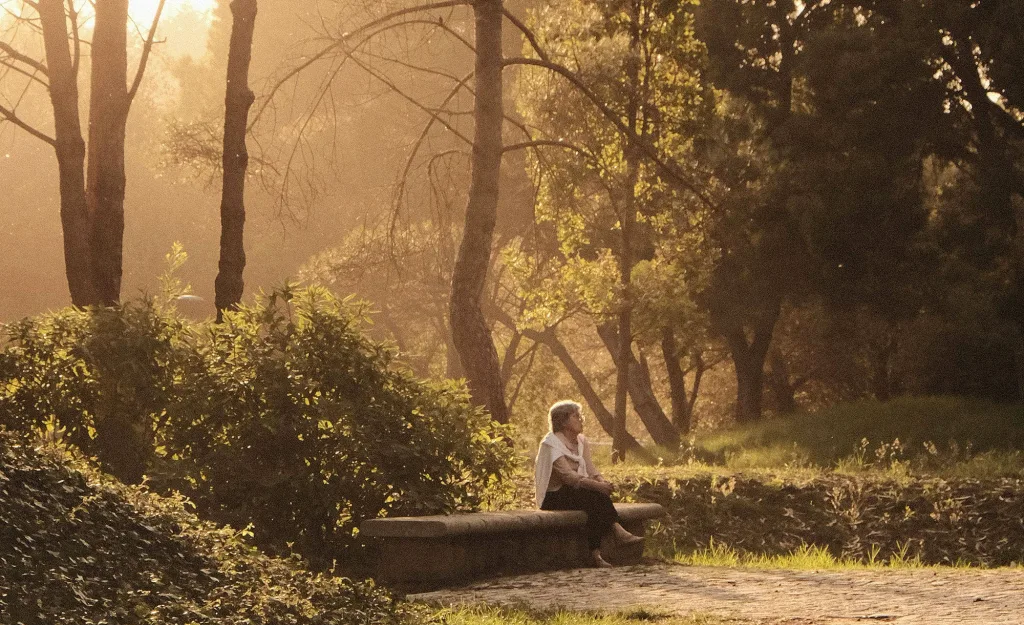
912	596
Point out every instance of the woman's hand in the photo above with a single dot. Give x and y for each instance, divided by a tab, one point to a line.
600	486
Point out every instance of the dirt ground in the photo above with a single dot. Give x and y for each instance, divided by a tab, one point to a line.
918	596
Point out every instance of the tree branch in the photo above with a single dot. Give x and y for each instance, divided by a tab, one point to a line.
528	33
400	191
23	58
670	171
536	143
12	117
340	42
24	72
146	49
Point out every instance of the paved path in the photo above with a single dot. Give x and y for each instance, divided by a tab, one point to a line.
915	596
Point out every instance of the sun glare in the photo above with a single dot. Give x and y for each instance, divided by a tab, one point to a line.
142	11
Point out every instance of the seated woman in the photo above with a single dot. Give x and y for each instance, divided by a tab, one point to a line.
566	479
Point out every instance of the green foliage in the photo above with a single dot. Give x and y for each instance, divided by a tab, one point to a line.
806	557
285	417
869	518
306	428
79	548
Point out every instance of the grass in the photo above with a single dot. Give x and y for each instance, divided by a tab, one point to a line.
807	557
521	615
827	437
948	437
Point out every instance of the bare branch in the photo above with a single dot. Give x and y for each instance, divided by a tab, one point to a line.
146	49
23	58
12	117
30	75
76	39
536	143
419	142
340	42
529	34
391	85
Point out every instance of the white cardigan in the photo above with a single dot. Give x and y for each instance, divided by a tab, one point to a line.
552	448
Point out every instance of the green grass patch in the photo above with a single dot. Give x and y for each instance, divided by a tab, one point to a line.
952	436
806	558
522	615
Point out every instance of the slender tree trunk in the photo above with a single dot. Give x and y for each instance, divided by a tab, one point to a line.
229	284
70	150
105	179
676	381
549	339
748	359
699	367
470	332
644	401
782	388
1018	358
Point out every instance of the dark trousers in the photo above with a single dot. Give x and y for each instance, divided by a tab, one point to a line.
598	506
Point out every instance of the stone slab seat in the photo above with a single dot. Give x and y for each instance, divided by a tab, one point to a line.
432	551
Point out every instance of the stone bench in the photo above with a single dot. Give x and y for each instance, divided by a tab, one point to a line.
431	551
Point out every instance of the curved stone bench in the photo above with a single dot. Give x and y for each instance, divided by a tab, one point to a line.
430	551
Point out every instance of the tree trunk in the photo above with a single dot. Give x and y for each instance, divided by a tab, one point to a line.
470	332
783	390
229	284
646	404
1018	359
70	149
748	359
105	179
549	339
676	382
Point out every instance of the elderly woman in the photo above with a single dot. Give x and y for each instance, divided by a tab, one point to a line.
567	479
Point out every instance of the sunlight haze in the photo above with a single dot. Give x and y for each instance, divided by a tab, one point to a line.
142	11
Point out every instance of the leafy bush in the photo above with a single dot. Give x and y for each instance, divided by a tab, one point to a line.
305	428
79	548
104	376
285	416
866	518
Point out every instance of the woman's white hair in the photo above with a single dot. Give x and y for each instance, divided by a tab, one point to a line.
560	411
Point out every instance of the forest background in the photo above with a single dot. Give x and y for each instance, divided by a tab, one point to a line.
808	203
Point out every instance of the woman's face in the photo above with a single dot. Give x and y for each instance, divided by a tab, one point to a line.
574	426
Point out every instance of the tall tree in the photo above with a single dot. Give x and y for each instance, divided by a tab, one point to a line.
470	331
229	283
92	201
605	195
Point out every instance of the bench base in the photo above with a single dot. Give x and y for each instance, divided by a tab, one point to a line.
422	562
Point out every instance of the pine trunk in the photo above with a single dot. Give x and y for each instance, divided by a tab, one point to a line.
470	332
70	150
229	284
105	179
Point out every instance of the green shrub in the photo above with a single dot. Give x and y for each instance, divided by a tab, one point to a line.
863	518
104	376
304	427
285	417
79	548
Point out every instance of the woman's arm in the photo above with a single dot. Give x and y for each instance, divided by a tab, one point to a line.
568	476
